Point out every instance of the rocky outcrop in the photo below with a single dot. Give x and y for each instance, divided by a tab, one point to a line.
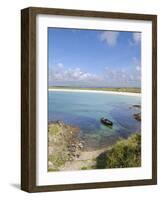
137	116
136	106
63	144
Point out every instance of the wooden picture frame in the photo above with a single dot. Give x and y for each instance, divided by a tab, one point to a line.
28	98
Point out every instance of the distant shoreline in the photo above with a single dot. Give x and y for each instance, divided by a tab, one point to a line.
95	91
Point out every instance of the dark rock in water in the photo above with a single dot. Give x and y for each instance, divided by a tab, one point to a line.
60	122
136	106
137	116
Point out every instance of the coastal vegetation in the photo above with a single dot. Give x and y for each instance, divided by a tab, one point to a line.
113	89
66	151
125	153
63	144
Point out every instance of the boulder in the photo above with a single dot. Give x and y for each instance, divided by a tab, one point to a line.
137	116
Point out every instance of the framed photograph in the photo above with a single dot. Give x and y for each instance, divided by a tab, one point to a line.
88	99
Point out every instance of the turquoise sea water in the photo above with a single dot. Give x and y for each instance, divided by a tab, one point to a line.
84	110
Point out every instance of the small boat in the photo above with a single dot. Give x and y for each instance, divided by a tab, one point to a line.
106	122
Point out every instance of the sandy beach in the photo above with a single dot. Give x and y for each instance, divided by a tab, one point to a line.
96	91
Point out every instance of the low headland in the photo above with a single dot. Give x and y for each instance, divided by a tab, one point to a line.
131	91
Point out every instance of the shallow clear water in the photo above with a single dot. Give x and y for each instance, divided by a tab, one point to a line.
84	110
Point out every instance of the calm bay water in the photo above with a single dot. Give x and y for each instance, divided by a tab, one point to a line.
84	110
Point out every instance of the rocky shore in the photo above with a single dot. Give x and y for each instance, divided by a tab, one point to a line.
137	114
63	144
67	152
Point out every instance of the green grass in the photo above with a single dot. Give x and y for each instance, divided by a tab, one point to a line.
118	89
125	153
84	168
53	169
58	159
55	129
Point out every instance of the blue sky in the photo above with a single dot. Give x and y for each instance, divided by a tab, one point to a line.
94	58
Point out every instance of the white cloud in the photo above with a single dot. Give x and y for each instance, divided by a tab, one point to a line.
60	74
137	64
138	68
60	65
110	37
110	77
119	76
136	37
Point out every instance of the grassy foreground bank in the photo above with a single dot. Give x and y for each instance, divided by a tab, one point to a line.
125	153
